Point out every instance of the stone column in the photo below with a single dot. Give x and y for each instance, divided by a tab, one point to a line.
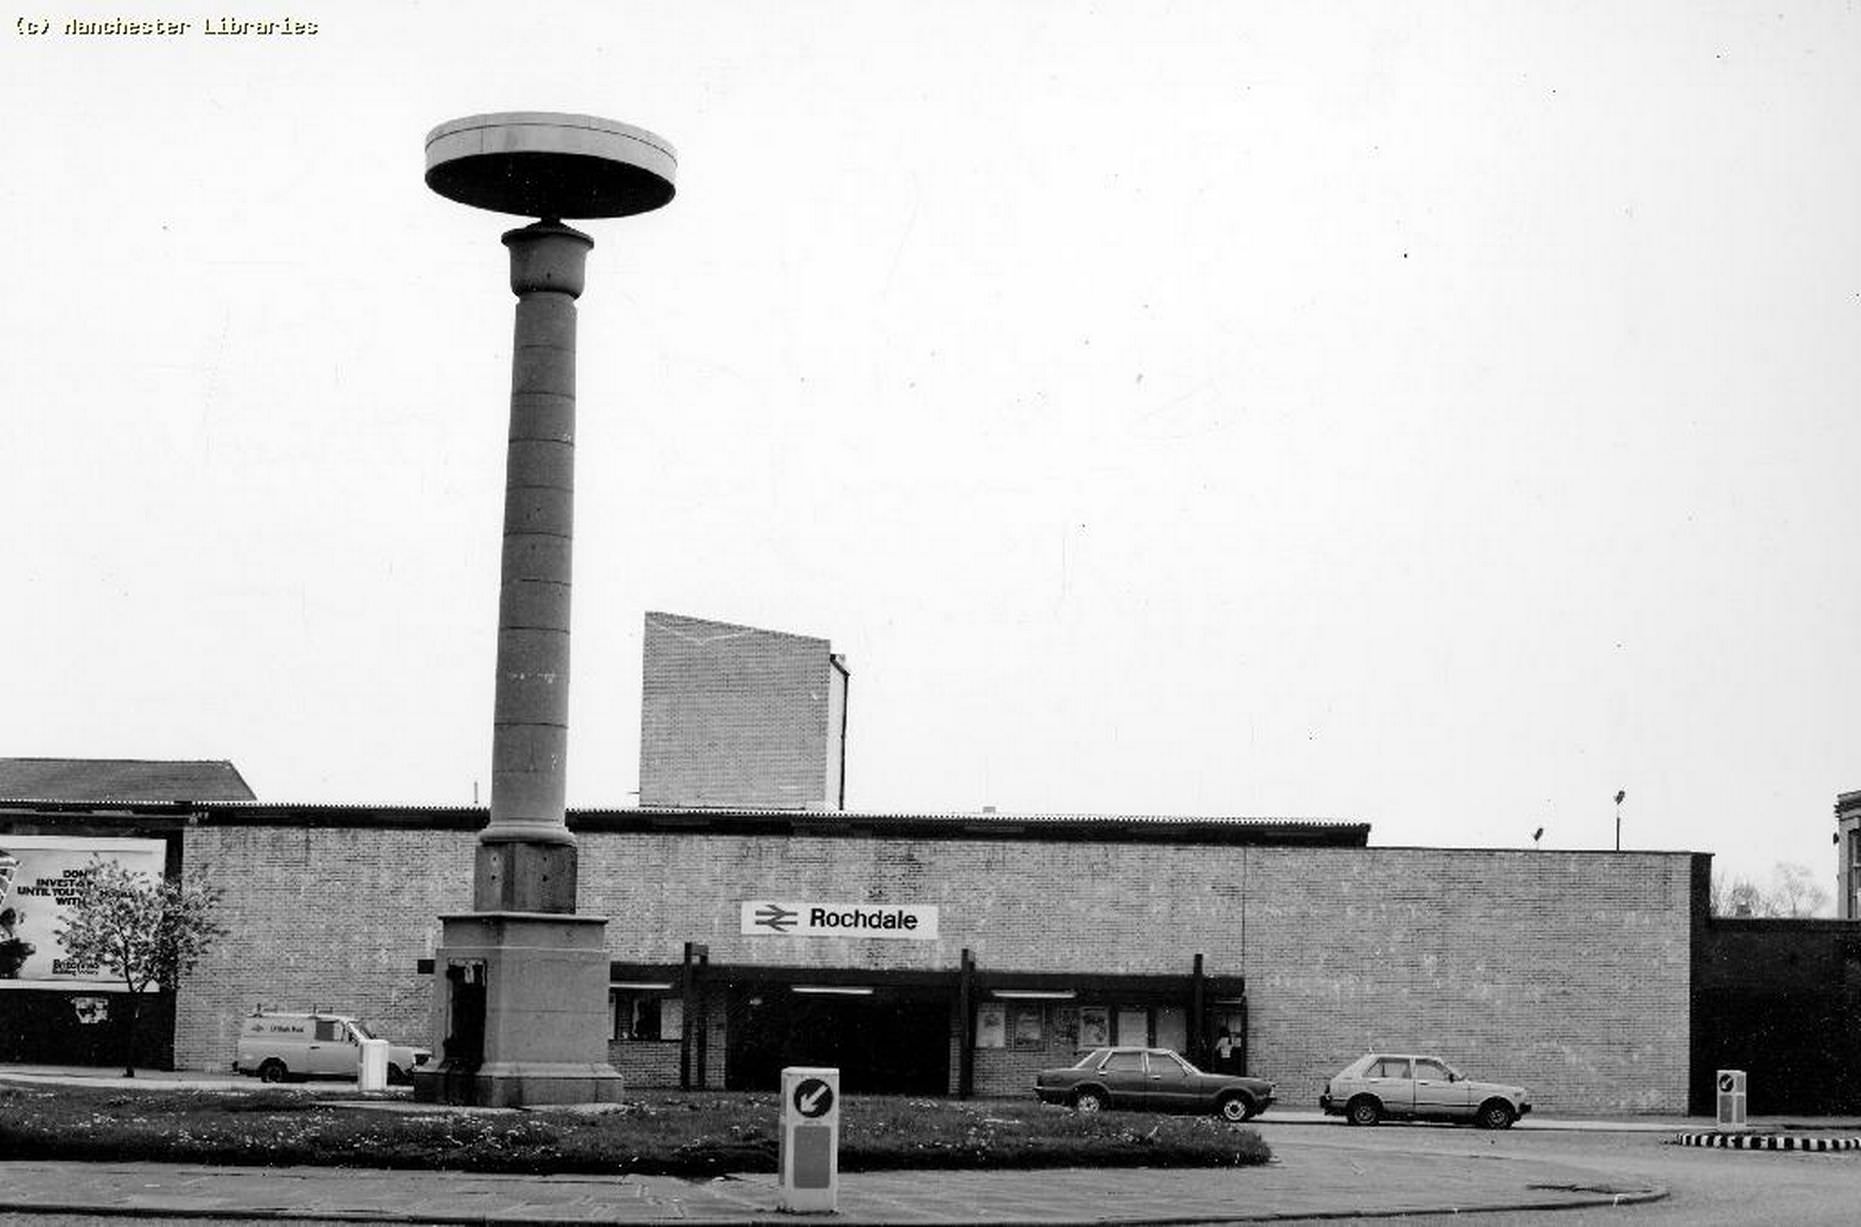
520	983
526	858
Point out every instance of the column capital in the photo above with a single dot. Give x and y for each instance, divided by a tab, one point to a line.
549	257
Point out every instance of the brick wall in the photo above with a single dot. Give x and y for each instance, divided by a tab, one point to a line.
1781	1000
645	1062
335	918
734	716
1568	972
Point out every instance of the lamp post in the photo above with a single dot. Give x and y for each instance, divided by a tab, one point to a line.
520	1000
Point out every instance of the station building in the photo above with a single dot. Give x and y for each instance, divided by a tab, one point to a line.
1037	935
958	953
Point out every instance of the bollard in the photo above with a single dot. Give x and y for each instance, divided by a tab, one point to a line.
810	1158
372	1066
1732	1099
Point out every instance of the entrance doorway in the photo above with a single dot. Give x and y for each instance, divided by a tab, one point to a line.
884	1040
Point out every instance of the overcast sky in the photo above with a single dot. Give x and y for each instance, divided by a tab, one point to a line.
1434	415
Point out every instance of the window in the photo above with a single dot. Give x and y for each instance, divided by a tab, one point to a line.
1029	1030
1125	1063
328	1031
1435	1070
1388	1067
638	1016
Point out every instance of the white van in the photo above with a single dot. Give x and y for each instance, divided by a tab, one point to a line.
276	1046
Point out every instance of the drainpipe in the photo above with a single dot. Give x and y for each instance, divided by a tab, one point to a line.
966	1026
1198	1012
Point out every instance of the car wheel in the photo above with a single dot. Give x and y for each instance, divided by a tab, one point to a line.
1089	1100
1364	1111
1494	1114
1236	1108
272	1071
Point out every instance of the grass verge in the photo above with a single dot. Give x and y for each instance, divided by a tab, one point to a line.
699	1134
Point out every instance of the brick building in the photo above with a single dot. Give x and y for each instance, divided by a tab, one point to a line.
732	716
1848	856
1571	972
1598	979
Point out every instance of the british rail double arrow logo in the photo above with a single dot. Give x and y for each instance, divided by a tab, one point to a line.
776	918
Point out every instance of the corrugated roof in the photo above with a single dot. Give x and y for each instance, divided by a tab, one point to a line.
121	779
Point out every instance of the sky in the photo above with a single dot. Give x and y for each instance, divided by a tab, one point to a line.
1441	416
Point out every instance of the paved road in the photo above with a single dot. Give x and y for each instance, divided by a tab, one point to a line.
1707	1188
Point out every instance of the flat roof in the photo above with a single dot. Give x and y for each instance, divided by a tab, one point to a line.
1036	827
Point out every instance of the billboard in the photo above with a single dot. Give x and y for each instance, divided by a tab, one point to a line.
38	876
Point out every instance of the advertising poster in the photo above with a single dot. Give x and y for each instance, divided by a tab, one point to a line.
1134	1027
1094	1026
991	1026
38	876
1028	1029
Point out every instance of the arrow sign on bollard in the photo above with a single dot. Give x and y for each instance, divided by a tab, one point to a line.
808	1155
813	1098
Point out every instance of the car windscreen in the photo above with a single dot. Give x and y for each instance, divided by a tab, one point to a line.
1090	1059
361	1031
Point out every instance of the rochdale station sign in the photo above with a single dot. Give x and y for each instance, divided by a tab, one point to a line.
909	922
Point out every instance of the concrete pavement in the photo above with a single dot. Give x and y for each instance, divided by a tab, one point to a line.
1301	1184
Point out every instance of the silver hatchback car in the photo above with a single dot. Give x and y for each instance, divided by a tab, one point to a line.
1413	1087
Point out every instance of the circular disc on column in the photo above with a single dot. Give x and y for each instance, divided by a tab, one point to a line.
538	164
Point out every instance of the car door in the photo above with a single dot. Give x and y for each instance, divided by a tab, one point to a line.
1171	1088
1438	1092
329	1050
1392	1080
1127	1078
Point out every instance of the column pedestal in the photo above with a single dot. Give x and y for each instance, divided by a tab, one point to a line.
521	1002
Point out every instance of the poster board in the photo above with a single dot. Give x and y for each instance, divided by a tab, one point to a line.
39	875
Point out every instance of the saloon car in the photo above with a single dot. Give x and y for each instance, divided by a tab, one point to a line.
1411	1087
1153	1079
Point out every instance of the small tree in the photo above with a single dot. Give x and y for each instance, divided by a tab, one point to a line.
145	931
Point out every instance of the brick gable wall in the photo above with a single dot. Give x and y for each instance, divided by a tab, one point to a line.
733	716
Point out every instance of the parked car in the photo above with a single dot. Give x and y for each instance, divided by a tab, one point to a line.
276	1046
1155	1079
1414	1087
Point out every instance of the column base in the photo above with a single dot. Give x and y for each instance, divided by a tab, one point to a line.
521	1084
520	1012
